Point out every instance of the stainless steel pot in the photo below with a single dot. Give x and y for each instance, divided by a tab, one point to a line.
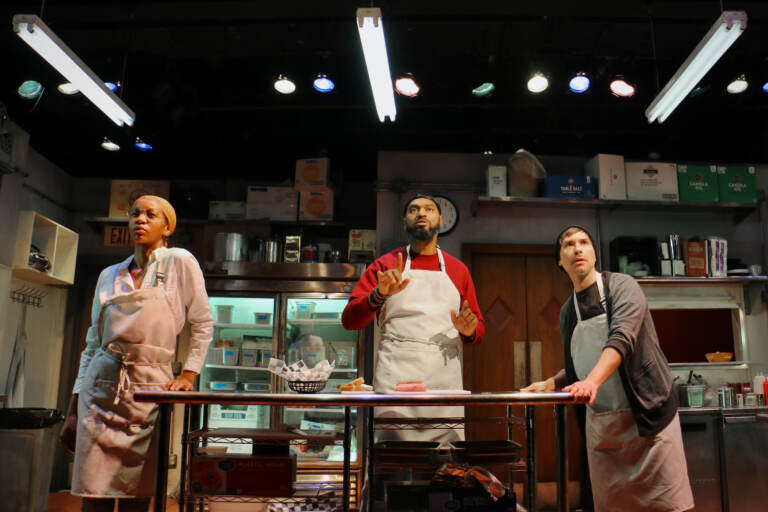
273	251
230	247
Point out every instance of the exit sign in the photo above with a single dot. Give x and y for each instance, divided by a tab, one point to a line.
117	236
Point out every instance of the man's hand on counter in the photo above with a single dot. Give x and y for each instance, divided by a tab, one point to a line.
185	382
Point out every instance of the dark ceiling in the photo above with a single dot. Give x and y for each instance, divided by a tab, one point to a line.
199	77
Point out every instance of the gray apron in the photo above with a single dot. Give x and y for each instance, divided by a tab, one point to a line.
420	343
628	472
115	452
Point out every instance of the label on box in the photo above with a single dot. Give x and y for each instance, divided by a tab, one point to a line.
226	210
651	181
316	205
124	192
496	180
697	182
311	173
570	186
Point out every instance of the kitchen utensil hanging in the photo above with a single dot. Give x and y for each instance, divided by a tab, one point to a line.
29	296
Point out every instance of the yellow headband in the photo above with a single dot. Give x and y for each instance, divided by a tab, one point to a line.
167	209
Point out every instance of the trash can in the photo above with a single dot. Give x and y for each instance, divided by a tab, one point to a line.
28	437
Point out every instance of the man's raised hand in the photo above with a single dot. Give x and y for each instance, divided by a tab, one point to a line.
466	321
391	280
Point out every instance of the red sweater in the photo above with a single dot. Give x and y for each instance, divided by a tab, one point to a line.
358	313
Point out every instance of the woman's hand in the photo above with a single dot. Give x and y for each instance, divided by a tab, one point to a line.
185	382
540	387
68	434
583	389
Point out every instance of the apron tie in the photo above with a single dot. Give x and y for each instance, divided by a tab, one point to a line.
124	382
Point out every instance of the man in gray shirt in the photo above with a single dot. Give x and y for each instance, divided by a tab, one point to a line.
613	358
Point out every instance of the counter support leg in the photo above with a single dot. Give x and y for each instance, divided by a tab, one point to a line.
163	432
347	456
530	448
562	458
184	458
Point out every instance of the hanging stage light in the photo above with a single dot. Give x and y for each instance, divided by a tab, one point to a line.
484	89
322	83
110	145
738	86
579	83
142	145
30	89
621	88
284	85
406	86
538	83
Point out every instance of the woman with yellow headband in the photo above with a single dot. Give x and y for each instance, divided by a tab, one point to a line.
140	307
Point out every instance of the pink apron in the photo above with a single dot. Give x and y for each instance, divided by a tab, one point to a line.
115	453
420	343
628	472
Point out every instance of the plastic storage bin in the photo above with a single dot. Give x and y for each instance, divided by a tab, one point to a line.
228	356
28	438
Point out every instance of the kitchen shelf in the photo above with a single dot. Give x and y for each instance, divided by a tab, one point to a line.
243	326
53	240
739	210
237	367
728	365
702	280
336	410
314	321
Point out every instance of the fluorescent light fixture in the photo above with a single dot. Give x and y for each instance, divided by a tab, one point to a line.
42	39
30	89
284	85
621	88
67	88
406	86
110	145
323	84
579	83
538	83
720	37
484	89
738	86
371	29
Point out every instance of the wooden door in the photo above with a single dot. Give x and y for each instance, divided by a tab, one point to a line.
520	292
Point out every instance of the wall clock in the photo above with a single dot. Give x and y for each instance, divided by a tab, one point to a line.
450	213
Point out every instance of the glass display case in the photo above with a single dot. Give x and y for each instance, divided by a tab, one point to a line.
313	332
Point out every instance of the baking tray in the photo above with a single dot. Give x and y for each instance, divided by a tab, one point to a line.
493	451
421	451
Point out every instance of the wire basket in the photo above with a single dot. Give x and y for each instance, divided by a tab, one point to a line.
306	386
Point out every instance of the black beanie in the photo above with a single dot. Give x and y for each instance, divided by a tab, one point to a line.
558	244
420	196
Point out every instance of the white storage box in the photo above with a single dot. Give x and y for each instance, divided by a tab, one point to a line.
496	180
226	210
275	203
228	356
316	205
651	181
610	174
312	173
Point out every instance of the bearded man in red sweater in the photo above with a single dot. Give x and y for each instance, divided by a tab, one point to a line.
425	307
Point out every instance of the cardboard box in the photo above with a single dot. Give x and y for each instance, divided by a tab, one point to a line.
737	184
312	173
226	210
362	240
275	203
243	475
697	183
582	187
696	258
316	205
496	180
611	178
651	181
124	192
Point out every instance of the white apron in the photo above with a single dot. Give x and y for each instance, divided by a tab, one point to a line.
115	453
628	472
420	343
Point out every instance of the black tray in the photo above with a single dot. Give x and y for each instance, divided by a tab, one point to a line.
411	450
499	451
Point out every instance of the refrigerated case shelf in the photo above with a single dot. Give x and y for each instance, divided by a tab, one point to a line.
314	321
236	367
242	326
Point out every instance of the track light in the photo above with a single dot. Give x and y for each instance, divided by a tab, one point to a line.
720	37
42	39
284	85
484	89
406	86
30	89
322	83
738	86
538	83
370	26
142	145
579	83
765	87
621	88
67	88
110	145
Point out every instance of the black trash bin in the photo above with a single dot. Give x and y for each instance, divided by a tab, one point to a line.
28	436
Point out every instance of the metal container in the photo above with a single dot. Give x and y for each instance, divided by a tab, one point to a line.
725	397
273	252
257	250
230	247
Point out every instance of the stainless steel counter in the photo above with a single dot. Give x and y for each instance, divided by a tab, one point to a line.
166	399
